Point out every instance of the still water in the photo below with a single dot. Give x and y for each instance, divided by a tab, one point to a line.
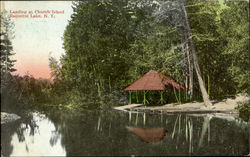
65	133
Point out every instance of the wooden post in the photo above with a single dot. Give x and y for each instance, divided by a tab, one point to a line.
162	97
176	97
186	97
137	99
180	95
130	97
166	96
144	98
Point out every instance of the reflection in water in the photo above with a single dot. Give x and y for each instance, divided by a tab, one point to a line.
35	136
61	133
149	135
205	128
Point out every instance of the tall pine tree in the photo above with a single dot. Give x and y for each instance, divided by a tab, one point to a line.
7	64
6	45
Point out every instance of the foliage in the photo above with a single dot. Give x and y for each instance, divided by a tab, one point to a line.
7	63
244	111
222	44
110	44
23	92
6	48
236	38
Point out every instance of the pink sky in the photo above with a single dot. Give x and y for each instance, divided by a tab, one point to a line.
34	67
36	39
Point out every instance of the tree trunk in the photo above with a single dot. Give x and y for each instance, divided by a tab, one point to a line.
184	53
205	96
190	71
187	61
190	65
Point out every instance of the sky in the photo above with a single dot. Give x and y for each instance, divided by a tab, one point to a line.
37	38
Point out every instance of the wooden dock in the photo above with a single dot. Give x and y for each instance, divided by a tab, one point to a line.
127	108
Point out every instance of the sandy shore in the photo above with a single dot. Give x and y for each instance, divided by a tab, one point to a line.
226	106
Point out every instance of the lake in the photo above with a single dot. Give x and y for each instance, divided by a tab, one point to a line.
89	133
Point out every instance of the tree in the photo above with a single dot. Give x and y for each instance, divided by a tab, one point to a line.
6	35
203	17
109	44
55	68
220	34
235	32
176	13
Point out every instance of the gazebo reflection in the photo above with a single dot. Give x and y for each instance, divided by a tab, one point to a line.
149	135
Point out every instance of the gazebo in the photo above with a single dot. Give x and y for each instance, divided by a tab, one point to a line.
154	81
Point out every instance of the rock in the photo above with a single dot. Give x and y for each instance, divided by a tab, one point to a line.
8	117
239	99
242	98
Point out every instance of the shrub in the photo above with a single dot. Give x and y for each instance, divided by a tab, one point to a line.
244	111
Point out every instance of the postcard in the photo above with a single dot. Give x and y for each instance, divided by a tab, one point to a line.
125	78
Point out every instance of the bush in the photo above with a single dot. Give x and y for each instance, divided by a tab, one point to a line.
244	111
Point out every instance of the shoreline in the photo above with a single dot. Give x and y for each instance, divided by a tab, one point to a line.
224	107
8	117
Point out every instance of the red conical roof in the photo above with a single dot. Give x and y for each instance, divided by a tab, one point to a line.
154	80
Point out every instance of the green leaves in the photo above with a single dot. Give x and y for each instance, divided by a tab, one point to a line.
110	44
222	43
7	63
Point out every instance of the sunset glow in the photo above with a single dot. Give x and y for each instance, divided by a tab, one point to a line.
39	35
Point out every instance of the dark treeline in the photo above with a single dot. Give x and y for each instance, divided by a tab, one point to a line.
110	44
25	92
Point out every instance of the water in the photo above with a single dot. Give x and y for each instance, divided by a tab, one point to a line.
86	133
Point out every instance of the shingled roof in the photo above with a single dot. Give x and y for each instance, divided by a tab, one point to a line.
154	80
